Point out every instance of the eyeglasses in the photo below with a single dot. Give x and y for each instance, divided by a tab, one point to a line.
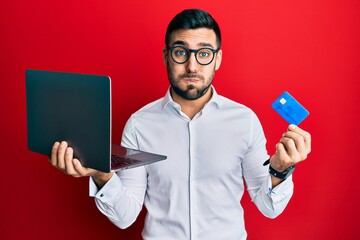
203	56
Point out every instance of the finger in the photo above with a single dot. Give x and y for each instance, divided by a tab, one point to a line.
61	155
290	148
69	166
281	152
299	142
53	156
81	170
281	159
306	135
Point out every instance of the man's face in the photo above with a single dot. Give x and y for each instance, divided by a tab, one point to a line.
191	80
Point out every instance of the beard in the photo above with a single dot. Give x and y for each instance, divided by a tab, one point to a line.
191	92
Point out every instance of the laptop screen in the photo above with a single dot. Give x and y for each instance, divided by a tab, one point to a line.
72	107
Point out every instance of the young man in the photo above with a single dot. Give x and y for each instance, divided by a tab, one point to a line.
212	144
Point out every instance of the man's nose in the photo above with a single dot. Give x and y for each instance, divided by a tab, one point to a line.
192	64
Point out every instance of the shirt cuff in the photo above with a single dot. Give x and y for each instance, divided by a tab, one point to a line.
281	192
107	192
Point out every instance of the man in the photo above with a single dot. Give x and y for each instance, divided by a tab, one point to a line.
212	144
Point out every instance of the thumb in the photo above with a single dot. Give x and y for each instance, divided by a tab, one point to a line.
281	151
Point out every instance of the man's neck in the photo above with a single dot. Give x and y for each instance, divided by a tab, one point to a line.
192	107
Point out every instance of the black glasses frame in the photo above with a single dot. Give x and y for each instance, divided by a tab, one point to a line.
195	51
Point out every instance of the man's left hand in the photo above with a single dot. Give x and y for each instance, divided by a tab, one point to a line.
294	146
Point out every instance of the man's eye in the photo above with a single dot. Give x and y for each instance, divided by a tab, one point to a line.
204	54
180	53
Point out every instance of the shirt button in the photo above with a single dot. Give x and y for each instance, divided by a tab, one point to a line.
101	195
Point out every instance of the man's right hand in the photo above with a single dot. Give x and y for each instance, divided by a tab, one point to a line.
63	159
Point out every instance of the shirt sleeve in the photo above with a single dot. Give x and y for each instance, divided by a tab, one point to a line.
122	197
270	201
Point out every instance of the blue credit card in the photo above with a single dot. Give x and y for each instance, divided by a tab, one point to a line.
290	109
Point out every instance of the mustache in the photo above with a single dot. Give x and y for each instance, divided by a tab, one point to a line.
191	75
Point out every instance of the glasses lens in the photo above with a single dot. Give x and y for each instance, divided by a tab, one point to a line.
180	54
204	56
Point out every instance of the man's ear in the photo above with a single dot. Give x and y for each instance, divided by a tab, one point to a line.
165	54
218	59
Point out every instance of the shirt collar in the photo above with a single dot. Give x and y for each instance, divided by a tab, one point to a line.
215	99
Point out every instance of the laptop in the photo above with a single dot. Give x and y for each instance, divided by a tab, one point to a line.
76	108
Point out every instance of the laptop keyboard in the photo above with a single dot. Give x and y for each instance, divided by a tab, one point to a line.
120	161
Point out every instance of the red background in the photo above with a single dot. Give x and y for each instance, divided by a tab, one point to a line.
309	48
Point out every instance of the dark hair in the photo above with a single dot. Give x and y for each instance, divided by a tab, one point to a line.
192	19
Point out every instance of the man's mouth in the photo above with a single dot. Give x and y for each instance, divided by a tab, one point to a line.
192	78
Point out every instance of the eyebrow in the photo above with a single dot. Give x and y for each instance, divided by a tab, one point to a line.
201	44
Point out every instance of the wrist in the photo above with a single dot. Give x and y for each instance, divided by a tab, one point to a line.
283	174
275	181
101	178
279	172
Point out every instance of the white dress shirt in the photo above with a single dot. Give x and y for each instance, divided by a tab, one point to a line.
195	193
